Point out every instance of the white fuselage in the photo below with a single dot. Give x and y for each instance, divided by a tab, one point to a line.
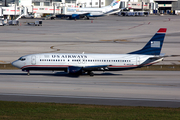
55	61
94	12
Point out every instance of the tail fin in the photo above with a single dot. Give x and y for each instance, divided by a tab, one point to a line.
115	4
153	47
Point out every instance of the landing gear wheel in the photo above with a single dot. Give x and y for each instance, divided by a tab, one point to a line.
91	73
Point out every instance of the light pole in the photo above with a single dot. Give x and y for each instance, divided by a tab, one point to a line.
5	4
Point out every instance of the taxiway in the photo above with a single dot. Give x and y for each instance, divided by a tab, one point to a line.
131	88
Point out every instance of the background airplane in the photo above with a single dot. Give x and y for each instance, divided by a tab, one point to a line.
76	13
86	63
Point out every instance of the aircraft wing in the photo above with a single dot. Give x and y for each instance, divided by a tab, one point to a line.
78	69
96	67
80	15
75	16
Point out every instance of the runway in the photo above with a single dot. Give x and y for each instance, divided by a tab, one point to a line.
126	88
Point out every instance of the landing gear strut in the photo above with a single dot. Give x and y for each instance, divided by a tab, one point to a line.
28	72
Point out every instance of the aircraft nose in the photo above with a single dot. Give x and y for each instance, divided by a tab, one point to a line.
16	64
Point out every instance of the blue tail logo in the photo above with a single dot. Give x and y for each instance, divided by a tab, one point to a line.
153	47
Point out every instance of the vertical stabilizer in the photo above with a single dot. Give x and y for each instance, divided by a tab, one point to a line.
115	4
154	46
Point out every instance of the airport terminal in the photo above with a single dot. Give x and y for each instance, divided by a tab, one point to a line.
41	8
57	40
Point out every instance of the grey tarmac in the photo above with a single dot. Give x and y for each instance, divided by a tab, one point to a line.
122	88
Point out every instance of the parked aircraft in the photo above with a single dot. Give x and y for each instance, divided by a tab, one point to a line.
87	63
76	13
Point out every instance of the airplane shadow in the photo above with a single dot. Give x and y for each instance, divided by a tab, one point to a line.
64	74
59	74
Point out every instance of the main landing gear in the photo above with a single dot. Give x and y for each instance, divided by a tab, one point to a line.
91	73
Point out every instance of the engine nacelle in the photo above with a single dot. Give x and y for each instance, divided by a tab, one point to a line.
75	16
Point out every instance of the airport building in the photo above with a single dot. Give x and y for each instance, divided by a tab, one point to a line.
14	7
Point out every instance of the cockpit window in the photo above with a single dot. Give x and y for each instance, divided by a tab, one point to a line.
22	59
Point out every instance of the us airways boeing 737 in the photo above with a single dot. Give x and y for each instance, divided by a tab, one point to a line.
86	63
77	13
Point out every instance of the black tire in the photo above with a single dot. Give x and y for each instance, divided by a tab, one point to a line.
91	74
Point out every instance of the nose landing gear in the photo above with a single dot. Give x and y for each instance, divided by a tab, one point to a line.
28	72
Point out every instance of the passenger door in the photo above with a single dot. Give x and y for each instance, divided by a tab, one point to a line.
33	60
137	60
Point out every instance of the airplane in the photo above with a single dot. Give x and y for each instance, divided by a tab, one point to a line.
77	13
87	63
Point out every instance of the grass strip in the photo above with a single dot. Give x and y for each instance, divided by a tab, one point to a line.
57	111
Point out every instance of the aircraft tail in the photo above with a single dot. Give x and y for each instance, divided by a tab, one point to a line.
115	4
153	47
